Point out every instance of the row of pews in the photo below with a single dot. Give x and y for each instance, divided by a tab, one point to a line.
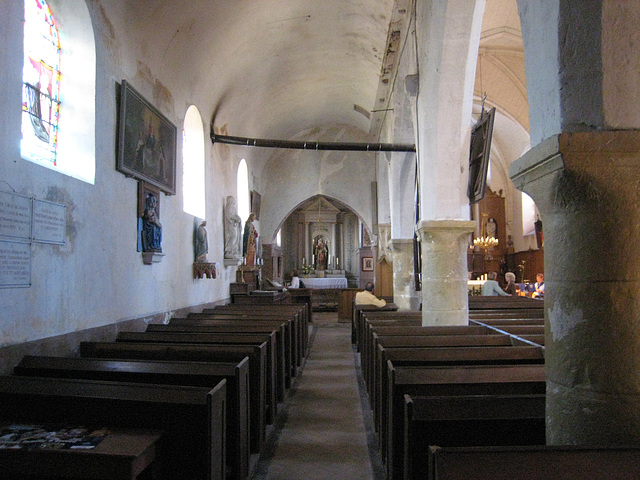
208	385
468	402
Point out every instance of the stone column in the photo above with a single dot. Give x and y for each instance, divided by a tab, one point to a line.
444	271
586	188
404	285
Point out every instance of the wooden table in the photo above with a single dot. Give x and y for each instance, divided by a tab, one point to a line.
121	455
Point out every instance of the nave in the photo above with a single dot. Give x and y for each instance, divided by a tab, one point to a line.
325	430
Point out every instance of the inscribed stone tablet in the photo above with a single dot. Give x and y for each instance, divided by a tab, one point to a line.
49	222
15	216
15	264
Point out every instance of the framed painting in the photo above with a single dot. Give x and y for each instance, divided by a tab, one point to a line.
479	149
146	142
255	203
367	264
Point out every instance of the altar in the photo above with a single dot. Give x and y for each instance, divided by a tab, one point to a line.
322	283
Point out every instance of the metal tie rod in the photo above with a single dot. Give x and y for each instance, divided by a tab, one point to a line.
301	145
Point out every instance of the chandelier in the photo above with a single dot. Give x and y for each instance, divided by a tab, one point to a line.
486	244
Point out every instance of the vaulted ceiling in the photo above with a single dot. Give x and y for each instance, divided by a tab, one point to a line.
276	68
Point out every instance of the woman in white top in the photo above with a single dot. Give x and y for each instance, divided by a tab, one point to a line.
295	280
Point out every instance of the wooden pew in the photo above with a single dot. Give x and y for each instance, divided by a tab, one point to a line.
300	313
385	344
434	356
191	418
122	454
535	463
496	322
359	311
501	303
280	341
199	353
408	327
447	381
253	339
478	420
200	374
241	321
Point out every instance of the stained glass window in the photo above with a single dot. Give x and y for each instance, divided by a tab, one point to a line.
41	84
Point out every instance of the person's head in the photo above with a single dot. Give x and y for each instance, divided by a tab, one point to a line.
252	217
540	277
492	275
369	287
294	273
510	277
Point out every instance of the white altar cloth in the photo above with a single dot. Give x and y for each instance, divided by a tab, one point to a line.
324	282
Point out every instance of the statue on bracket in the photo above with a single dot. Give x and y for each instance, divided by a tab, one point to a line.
249	240
201	243
232	229
151	228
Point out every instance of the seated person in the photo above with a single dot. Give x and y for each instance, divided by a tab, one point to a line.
368	298
491	287
539	286
510	277
295	280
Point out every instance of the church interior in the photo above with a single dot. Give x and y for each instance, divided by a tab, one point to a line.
167	161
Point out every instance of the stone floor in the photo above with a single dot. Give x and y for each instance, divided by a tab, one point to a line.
324	430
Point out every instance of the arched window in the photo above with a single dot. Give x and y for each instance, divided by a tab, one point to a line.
40	84
193	185
242	185
528	215
59	92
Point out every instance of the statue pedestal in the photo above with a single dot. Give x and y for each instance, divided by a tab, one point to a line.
151	257
249	274
233	262
202	269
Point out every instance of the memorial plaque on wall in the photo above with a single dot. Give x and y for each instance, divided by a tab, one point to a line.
49	222
15	216
15	264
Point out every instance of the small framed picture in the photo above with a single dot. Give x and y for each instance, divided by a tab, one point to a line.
367	264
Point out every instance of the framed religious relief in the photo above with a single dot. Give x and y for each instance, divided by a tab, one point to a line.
479	149
255	203
146	142
367	264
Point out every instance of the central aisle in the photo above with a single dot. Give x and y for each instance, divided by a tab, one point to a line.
322	432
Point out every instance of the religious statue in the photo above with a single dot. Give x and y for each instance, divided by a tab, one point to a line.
321	253
249	240
492	228
232	229
510	247
151	228
201	243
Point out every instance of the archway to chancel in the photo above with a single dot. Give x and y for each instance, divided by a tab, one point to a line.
321	238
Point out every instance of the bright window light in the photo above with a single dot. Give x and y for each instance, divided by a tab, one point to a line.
193	171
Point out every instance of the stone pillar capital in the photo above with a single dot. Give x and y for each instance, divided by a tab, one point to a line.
428	230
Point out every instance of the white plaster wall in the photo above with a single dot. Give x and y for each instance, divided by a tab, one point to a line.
344	176
400	126
539	22
448	38
98	277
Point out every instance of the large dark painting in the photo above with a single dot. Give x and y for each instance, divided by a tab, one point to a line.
479	155
146	142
